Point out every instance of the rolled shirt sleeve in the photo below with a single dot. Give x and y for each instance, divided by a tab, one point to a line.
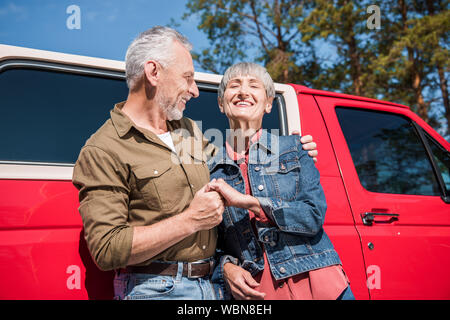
103	195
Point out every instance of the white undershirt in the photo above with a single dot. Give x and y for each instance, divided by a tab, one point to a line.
167	139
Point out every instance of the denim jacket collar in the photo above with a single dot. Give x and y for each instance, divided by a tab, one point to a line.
262	151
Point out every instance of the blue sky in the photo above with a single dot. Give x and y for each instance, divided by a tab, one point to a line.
107	26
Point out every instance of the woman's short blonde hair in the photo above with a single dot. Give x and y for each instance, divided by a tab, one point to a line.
247	69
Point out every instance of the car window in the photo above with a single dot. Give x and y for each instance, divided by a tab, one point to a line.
442	159
47	116
387	152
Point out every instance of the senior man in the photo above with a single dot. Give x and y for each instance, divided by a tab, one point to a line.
145	210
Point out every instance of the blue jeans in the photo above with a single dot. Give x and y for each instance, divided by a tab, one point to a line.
140	286
347	294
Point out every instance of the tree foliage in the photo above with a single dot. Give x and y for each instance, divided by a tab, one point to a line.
326	44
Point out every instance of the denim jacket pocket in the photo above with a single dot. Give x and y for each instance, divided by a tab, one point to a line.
284	178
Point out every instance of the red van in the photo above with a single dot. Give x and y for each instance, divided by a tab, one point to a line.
385	172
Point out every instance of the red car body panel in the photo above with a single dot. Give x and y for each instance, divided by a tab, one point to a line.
43	254
339	223
407	255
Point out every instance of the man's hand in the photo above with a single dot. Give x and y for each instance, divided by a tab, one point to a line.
204	213
205	210
309	145
241	283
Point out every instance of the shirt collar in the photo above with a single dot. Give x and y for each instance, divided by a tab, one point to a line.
262	150
233	155
123	124
120	121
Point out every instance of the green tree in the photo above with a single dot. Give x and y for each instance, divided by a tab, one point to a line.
264	31
342	23
326	44
411	54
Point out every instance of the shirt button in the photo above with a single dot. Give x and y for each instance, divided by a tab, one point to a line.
155	172
260	187
204	247
257	168
282	270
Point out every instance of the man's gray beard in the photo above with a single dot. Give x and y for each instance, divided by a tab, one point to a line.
171	111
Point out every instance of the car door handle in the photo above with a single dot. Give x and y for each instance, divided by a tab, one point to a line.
368	218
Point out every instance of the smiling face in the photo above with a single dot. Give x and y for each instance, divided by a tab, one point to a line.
245	102
177	85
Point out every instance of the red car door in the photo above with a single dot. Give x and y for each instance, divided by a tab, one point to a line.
339	223
395	170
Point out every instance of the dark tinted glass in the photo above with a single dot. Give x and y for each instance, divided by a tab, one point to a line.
442	158
387	152
47	116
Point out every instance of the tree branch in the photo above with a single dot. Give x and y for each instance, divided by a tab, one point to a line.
260	34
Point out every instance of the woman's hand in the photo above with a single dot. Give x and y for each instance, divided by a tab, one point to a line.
308	144
241	283
233	198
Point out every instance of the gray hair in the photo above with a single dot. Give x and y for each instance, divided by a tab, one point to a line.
247	69
152	44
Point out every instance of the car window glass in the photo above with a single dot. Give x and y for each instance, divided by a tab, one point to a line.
387	152
442	159
47	116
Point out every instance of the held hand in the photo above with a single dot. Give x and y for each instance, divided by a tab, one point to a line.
232	197
206	209
310	146
241	283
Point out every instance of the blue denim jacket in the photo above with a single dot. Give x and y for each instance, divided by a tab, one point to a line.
287	184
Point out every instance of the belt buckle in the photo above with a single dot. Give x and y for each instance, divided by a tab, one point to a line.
189	271
189	268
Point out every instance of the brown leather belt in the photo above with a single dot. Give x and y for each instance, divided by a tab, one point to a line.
190	269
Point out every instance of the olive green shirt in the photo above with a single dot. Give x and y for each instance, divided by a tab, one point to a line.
126	177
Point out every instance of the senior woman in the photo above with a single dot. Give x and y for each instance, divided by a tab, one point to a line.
271	241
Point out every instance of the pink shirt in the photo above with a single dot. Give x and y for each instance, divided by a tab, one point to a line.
320	284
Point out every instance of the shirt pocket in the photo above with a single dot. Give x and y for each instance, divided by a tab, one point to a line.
156	185
284	177
202	172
